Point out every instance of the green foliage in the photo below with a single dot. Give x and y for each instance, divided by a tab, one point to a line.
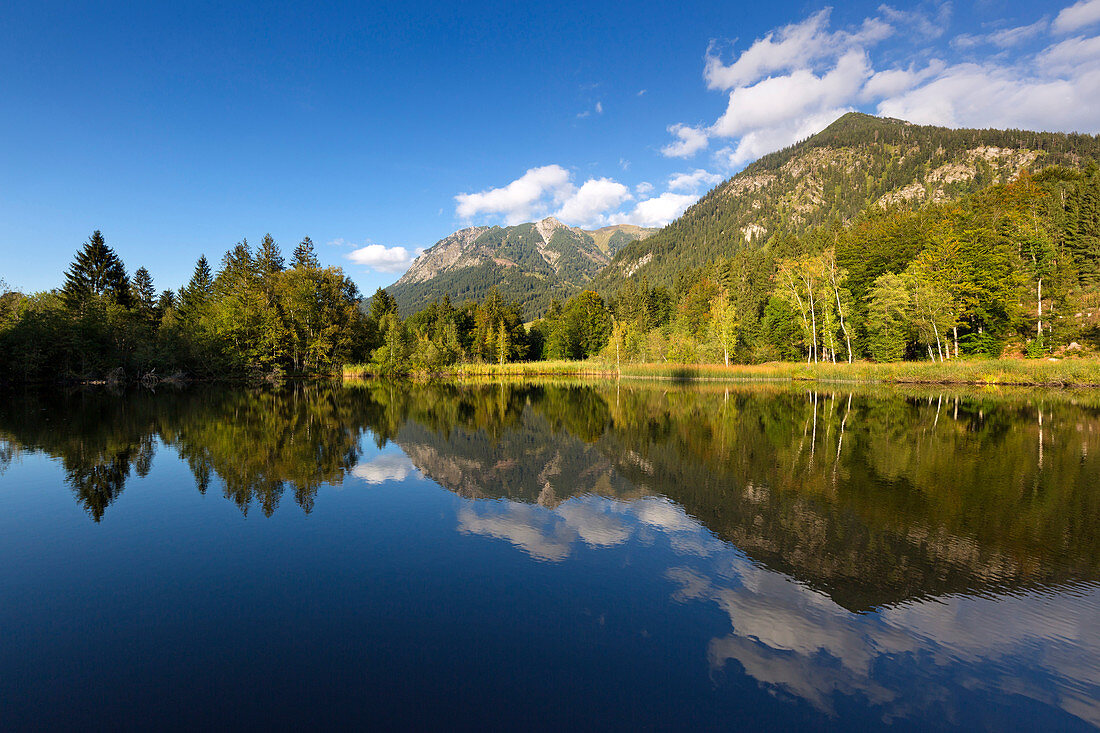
842	174
95	272
888	318
252	318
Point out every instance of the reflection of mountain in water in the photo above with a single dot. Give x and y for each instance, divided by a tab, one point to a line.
871	499
921	660
967	524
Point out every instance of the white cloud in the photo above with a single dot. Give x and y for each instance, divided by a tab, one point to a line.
752	145
590	203
657	211
889	82
599	108
976	95
781	99
1069	55
644	188
384	259
1005	38
385	467
1014	36
792	45
1076	16
795	80
691	141
691	182
521	200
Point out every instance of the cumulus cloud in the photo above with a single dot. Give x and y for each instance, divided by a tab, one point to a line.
690	140
795	80
657	211
589	204
521	200
1076	16
385	467
977	95
550	190
384	259
693	181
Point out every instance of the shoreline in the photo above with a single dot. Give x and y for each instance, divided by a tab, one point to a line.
1067	373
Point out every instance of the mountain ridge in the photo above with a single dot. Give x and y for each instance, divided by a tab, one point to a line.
858	162
530	263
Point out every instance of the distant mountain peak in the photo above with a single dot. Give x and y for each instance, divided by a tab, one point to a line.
530	263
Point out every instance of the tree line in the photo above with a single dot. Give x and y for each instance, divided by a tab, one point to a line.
1012	266
255	315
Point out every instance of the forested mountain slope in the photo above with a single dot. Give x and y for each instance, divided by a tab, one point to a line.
528	263
858	162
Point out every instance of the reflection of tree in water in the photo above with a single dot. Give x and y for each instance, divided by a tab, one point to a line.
257	443
873	496
98	479
100	438
262	442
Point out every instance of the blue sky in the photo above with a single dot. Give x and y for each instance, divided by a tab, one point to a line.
179	129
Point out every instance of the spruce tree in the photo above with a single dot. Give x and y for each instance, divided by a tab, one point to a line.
381	303
143	294
198	290
269	258
237	271
304	256
96	271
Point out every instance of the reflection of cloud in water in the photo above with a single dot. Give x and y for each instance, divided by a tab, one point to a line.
921	658
385	467
549	534
797	640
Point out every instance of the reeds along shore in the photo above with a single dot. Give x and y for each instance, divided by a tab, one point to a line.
1062	373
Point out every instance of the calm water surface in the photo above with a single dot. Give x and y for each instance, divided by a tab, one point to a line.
545	555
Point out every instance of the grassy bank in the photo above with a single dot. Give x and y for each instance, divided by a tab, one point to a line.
1037	373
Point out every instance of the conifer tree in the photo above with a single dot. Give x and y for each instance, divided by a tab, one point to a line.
304	256
269	258
96	271
381	304
198	290
143	294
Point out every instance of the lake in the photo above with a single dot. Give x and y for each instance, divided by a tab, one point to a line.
550	555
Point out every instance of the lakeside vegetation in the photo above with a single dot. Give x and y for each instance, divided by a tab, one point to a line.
1008	372
945	291
949	293
256	316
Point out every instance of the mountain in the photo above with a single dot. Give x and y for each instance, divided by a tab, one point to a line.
857	162
529	263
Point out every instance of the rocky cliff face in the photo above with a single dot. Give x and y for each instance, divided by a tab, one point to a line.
530	263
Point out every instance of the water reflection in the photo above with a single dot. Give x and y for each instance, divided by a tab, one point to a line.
912	551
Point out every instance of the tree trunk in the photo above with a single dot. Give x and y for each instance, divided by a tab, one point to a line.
1039	331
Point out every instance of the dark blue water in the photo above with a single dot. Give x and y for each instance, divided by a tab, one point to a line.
542	556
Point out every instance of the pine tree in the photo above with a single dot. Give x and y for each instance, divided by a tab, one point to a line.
198	290
304	256
237	271
96	271
381	304
166	302
269	258
143	294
